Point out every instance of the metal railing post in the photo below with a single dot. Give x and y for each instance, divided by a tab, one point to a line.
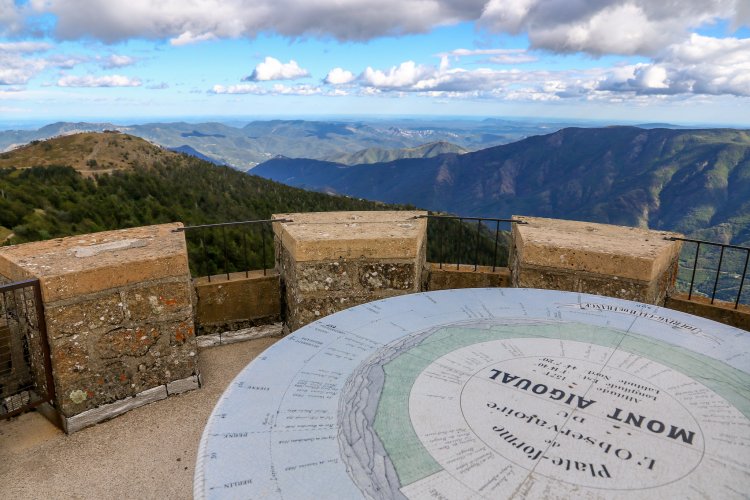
695	266
494	255
718	271
742	279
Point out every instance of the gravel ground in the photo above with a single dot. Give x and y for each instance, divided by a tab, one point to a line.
147	453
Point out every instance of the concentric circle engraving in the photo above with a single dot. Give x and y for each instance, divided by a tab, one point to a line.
488	393
580	422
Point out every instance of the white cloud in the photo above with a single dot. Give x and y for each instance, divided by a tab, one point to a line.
116	61
273	69
339	76
652	76
281	89
592	26
17	70
410	77
98	81
512	59
403	77
188	38
64	61
20	62
607	26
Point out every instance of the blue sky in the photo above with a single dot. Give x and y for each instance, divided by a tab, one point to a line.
611	60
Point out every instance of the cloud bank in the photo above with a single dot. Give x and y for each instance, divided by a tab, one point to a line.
186	21
698	66
596	27
608	26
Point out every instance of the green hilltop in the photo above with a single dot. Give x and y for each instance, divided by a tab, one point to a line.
91	182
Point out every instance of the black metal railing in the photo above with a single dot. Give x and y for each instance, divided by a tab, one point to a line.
715	270
473	241
25	365
230	247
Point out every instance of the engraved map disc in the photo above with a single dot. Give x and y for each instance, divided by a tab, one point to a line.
488	393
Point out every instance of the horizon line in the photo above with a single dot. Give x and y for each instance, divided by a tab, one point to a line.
29	124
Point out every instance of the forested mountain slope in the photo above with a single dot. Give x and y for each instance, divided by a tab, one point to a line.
693	181
99	181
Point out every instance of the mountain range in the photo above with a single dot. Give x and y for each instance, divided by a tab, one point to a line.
379	155
245	146
692	181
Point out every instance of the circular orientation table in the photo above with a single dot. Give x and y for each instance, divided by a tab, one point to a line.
488	393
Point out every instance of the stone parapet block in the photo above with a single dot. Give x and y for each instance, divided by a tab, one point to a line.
119	314
81	265
321	236
624	252
615	261
155	301
92	369
334	260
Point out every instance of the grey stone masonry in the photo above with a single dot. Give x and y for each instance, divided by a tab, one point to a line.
331	261
119	315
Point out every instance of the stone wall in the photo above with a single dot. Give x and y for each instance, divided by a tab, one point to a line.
119	317
615	261
335	260
449	276
243	301
723	312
